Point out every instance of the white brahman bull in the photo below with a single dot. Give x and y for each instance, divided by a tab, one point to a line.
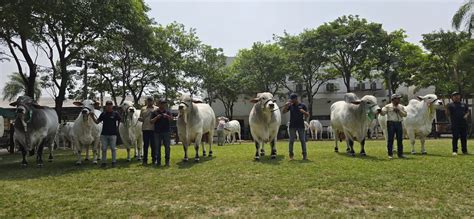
418	123
306	128
195	120
130	129
65	135
374	129
264	120
35	128
330	132
353	120
315	128
230	129
86	131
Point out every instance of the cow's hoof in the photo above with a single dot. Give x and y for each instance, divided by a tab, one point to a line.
78	164
363	154
196	159
424	153
273	157
413	152
262	154
87	159
257	158
94	162
139	159
40	165
128	160
185	159
50	160
204	154
352	154
336	150
24	165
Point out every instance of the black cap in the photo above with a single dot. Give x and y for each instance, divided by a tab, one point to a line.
455	93
293	96
395	96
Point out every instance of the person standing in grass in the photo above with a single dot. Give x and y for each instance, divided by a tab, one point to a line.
298	113
458	113
161	118
108	136
395	113
148	130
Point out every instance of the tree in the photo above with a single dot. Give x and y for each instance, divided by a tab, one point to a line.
396	60
70	26
307	60
228	87
464	17
210	63
439	68
19	30
464	61
16	86
262	68
348	42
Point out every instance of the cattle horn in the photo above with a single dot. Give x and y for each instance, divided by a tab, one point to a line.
14	103
37	106
419	97
357	102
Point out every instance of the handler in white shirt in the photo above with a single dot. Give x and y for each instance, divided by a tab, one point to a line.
395	113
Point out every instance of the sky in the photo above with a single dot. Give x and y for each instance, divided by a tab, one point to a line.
233	25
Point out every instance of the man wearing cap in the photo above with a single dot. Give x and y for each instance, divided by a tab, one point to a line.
108	136
161	118
458	113
298	113
148	130
395	113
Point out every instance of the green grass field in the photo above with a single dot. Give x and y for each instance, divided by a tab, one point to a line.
233	185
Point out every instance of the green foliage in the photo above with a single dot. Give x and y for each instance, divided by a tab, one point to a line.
439	68
349	42
233	185
463	17
16	86
263	68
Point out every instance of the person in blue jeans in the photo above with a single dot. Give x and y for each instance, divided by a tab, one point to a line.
298	114
395	113
161	119
108	136
148	130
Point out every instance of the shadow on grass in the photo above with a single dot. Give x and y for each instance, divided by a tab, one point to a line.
190	163
358	156
62	164
268	160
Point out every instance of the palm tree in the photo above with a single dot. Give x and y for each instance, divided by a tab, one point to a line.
464	17
16	86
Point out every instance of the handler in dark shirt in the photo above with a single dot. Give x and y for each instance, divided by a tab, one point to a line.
458	113
161	119
108	137
298	112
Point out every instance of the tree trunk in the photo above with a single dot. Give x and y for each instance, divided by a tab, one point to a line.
62	91
85	81
30	86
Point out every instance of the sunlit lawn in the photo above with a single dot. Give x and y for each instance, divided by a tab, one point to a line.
232	184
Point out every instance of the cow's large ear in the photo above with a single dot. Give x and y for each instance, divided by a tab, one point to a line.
77	103
254	100
14	103
419	97
356	102
37	106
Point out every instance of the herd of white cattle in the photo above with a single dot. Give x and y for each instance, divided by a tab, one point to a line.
36	126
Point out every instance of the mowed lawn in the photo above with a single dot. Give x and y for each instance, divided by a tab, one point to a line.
232	184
